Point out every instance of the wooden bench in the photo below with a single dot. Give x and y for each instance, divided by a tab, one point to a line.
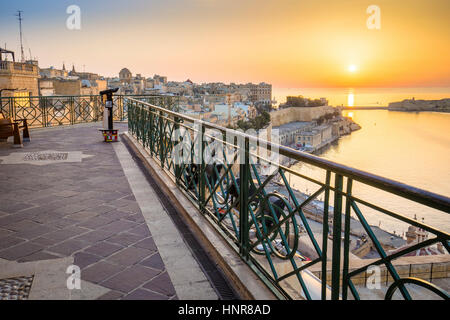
12	128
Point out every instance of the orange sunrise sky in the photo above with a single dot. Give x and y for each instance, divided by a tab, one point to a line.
289	43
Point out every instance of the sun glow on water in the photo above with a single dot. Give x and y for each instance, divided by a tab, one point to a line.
351	99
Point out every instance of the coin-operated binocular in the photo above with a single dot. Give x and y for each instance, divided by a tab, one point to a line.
109	133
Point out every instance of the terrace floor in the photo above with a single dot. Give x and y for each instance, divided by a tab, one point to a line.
68	198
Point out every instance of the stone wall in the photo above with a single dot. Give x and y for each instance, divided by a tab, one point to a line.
21	76
29	83
293	114
67	87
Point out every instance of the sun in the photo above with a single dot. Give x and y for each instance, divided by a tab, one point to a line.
352	68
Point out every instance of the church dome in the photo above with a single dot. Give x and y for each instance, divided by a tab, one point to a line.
125	74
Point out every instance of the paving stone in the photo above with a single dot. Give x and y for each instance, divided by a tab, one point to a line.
83	215
142	294
120	203
46	217
96	236
116	214
147	243
22	225
12	207
19	251
68	247
5	232
66	193
111	295
45	200
45	242
100	271
10	218
96	222
83	259
110	196
130	279
34	232
102	209
154	262
130	197
141	230
40	255
66	233
62	223
161	284
71	208
125	239
119	226
133	208
129	256
103	249
9	241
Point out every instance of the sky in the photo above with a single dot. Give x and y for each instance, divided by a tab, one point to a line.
288	43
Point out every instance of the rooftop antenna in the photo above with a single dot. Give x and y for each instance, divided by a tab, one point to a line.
19	15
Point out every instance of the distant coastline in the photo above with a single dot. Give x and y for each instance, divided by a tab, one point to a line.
412	105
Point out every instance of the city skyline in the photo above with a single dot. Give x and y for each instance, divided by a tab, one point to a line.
286	43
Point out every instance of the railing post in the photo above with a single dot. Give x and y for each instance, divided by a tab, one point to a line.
244	176
12	102
43	107
325	235
161	138
345	280
151	129
72	110
202	179
177	166
337	227
95	107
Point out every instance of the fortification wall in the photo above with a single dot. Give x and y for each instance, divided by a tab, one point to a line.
293	114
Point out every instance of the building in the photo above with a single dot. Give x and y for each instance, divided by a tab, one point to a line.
61	82
288	132
310	139
69	87
21	77
325	132
125	75
162	80
259	92
46	87
53	73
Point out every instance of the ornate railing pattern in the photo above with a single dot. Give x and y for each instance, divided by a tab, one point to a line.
264	225
47	111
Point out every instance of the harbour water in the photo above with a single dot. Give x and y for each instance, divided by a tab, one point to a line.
363	96
413	148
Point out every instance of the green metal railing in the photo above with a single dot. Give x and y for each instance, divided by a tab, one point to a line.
264	225
47	111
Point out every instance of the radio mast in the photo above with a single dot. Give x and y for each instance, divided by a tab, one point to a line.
19	15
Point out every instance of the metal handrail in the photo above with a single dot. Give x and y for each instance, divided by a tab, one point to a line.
154	125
